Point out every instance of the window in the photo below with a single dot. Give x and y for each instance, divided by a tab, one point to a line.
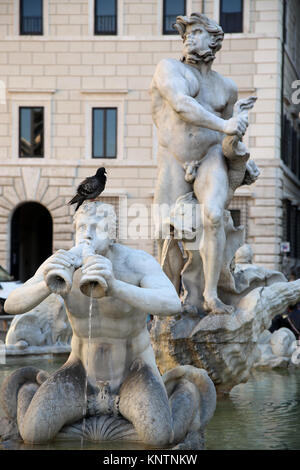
290	146
31	132
231	16
104	138
236	217
298	156
105	17
291	227
172	9
31	17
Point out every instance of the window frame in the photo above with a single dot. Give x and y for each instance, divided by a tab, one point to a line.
105	108
290	228
169	32
242	18
290	145
106	33
22	33
19	142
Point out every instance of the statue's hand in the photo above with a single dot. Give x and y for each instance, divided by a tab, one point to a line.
97	268
244	104
61	259
237	125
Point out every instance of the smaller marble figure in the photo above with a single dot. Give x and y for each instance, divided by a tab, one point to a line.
44	329
276	350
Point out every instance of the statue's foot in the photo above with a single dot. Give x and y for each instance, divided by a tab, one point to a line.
192	310
217	307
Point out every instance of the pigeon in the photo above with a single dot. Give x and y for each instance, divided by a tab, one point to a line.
90	188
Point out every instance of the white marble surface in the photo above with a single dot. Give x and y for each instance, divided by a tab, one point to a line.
110	348
275	350
194	108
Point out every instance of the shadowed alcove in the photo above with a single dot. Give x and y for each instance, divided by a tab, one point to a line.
31	239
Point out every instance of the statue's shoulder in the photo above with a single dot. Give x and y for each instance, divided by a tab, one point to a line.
166	65
136	259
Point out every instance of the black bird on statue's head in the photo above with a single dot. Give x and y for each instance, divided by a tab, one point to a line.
90	188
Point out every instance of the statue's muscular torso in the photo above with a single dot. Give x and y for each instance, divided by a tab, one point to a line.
184	140
119	332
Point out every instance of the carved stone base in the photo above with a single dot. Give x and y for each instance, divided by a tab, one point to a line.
146	412
224	345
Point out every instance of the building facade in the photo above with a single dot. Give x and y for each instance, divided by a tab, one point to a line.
74	96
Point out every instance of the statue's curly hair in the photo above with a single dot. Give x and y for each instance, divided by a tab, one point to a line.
98	208
210	25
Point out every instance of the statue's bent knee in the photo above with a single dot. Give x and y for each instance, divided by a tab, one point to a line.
144	402
36	433
59	400
213	217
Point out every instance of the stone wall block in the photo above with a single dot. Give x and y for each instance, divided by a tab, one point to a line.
11	195
31	176
5	203
42	188
50	195
61	211
57	203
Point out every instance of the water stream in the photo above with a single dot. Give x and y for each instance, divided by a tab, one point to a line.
87	365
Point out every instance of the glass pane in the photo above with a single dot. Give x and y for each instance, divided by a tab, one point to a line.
31	21
31	132
172	8
98	133
32	7
231	16
105	7
105	16
231	6
111	132
37	115
25	132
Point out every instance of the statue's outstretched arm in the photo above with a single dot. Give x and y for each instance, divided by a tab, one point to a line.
156	301
28	296
156	294
36	289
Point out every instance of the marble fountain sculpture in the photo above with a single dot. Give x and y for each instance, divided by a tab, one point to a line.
43	330
202	160
277	350
110	387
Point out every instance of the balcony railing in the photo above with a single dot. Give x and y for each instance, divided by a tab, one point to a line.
105	24
31	25
169	20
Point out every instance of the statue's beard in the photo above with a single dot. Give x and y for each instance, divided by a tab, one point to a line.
191	56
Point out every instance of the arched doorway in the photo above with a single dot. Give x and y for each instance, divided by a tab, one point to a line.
31	239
